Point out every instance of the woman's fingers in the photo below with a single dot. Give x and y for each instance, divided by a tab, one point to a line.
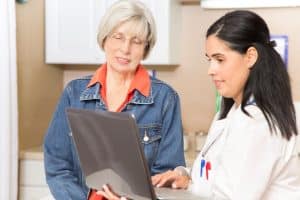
156	179
168	179
102	193
165	179
108	193
182	182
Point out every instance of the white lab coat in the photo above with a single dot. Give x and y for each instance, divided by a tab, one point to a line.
246	160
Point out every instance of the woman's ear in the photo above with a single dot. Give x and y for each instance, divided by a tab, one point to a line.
251	56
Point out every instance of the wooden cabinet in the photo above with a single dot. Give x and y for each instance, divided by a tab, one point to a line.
71	31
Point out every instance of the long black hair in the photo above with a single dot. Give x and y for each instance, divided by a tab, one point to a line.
268	81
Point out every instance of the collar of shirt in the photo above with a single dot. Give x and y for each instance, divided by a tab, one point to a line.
141	82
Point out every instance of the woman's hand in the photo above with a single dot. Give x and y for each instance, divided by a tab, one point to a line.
109	194
172	179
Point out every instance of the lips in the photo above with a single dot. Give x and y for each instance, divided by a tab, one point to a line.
123	61
218	83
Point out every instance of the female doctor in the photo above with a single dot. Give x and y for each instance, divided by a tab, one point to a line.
250	149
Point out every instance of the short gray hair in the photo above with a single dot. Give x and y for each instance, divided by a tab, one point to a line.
132	11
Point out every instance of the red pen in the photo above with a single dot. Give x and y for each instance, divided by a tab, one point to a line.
207	167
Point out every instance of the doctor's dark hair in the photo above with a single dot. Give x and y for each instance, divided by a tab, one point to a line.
268	80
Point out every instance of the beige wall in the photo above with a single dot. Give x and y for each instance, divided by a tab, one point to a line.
189	79
39	85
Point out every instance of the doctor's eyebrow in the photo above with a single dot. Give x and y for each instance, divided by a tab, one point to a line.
207	57
215	55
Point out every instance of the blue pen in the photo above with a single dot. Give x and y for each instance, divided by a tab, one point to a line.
202	166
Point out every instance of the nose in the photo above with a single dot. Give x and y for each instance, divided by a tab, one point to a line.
211	69
125	46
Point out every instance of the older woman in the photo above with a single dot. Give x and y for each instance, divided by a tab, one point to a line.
127	35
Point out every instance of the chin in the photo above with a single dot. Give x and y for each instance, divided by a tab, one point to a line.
221	93
224	95
126	70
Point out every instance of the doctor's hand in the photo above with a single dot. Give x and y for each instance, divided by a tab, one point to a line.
172	179
109	194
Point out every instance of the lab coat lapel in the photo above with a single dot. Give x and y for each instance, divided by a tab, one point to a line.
217	128
214	133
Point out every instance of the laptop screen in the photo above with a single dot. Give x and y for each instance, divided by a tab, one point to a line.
109	151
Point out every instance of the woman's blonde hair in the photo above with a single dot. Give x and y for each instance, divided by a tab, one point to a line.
134	12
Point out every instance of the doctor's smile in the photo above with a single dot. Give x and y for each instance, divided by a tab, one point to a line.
218	83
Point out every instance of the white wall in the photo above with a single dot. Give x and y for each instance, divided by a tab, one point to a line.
8	102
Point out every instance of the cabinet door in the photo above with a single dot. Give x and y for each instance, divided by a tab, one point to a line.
167	15
71	31
72	26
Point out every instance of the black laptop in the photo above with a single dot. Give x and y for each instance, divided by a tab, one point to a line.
110	152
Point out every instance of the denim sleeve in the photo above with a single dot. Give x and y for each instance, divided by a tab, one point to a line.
61	174
170	152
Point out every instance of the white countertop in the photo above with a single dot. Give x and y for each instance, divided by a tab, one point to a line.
35	153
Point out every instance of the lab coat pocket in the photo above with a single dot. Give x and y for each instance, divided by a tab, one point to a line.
201	177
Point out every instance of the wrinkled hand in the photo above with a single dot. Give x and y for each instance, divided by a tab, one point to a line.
171	179
109	194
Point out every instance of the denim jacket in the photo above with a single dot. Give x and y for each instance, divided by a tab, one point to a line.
158	116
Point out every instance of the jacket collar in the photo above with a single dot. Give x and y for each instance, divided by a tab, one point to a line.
93	93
